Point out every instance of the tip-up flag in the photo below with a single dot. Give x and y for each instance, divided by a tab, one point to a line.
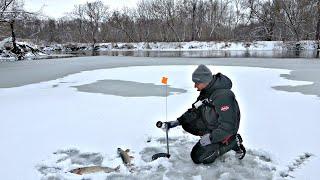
164	80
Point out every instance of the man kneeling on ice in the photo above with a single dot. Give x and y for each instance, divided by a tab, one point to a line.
215	117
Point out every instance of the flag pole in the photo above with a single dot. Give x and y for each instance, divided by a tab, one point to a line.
166	102
165	81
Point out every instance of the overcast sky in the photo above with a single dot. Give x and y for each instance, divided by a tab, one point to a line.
57	8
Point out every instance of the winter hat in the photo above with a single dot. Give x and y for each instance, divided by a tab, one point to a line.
202	74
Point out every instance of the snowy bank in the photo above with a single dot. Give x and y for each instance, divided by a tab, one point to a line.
27	51
189	46
185	49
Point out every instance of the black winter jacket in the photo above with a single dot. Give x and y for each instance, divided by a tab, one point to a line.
220	116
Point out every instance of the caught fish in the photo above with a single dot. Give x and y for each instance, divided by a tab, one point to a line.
125	156
94	169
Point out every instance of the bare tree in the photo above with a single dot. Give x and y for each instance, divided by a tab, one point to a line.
296	16
217	18
165	9
11	11
79	17
4	4
264	14
123	22
170	20
96	12
193	18
144	20
318	24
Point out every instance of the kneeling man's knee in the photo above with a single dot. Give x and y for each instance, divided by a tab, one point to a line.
195	154
205	155
195	158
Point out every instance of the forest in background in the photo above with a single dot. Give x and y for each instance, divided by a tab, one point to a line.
167	21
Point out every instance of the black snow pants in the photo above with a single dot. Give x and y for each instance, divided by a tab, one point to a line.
208	154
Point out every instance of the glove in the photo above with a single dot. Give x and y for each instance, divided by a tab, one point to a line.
171	124
205	140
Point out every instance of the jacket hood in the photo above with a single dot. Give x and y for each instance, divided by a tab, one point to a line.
219	81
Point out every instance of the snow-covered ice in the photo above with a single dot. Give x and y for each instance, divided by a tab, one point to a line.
50	128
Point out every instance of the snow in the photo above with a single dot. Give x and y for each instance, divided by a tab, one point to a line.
4	41
50	128
6	53
210	48
211	45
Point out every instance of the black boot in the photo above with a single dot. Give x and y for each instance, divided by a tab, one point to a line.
239	148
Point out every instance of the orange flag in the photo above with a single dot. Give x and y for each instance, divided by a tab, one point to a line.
164	80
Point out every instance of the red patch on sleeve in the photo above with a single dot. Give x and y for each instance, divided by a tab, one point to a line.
224	108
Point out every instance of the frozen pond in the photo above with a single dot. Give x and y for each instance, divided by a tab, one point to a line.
77	120
14	74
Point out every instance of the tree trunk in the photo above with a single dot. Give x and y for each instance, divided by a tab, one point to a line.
318	29
318	25
174	31
16	50
193	31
